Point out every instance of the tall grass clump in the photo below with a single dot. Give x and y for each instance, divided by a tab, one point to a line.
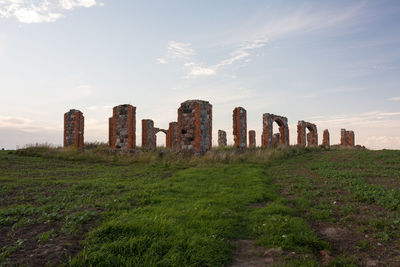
100	152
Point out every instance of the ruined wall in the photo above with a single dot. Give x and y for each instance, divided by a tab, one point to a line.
74	124
123	132
240	128
346	138
326	139
111	137
267	134
252	139
350	136
148	135
195	126
172	135
222	138
343	137
312	136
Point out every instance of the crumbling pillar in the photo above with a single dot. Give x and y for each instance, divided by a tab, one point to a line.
252	139
172	135
350	136
148	135
195	126
110	131
123	136
240	128
326	139
267	134
222	138
74	128
343	137
312	136
346	138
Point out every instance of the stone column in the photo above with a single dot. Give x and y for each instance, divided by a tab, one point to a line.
195	126
74	129
148	135
240	128
222	138
172	135
326	139
124	127
252	139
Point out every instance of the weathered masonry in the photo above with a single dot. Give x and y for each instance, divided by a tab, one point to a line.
74	129
346	138
148	135
111	137
172	135
195	126
240	128
123	127
267	134
326	139
222	138
252	139
312	136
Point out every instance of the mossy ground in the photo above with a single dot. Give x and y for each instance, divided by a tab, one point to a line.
314	206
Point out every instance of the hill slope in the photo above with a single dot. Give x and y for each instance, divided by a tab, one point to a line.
311	207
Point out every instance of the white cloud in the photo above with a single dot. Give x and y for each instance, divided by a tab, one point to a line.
27	11
161	61
397	98
180	50
200	71
240	54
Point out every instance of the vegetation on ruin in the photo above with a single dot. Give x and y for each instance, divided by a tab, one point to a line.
300	206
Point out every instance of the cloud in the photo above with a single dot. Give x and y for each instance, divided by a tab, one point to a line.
200	71
27	11
25	124
239	54
161	61
397	98
180	50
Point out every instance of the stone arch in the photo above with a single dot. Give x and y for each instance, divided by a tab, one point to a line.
267	135
303	138
156	131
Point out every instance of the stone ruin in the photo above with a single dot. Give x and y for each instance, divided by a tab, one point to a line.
195	126
240	128
252	139
74	129
193	131
312	136
122	128
347	138
222	138
148	135
267	138
172	136
326	139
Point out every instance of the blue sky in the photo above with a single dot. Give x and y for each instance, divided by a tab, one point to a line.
333	63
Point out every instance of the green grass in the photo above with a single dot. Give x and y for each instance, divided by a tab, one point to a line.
161	209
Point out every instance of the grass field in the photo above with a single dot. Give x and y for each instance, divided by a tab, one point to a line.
284	207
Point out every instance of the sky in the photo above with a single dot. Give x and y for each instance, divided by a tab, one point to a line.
332	63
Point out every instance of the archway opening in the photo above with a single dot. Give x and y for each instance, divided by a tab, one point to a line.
278	133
